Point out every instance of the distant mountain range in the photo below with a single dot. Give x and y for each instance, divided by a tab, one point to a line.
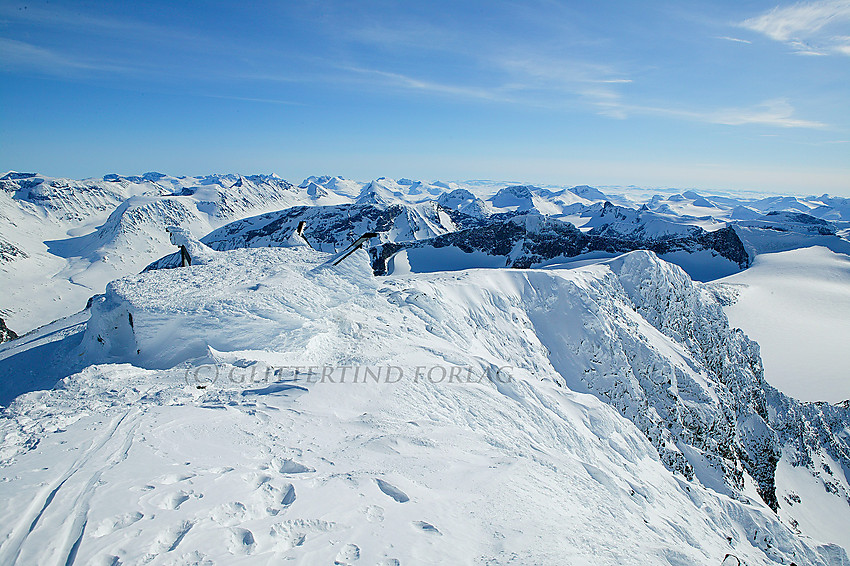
66	238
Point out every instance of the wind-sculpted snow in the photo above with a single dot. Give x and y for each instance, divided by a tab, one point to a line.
257	433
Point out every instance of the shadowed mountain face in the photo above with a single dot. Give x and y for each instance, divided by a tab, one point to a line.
523	246
523	240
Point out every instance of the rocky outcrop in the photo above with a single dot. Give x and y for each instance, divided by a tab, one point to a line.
528	240
10	252
762	421
331	227
6	333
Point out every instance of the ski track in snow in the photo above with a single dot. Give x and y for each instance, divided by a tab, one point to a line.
66	500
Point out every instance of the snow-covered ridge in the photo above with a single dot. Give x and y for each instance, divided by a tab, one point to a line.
681	391
707	414
68	238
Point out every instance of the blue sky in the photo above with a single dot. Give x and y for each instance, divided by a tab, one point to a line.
712	95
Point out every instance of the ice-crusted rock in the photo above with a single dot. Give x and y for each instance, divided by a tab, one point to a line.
199	253
6	333
10	252
333	227
526	240
296	240
764	420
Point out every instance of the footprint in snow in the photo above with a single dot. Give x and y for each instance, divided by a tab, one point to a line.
170	479
169	539
286	536
108	526
241	541
271	499
392	491
374	513
256	480
229	514
288	495
292	467
348	554
174	500
427	527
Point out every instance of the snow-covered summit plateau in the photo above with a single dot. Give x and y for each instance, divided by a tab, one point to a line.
516	375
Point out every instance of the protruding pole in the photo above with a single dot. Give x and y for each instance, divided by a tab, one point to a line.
185	258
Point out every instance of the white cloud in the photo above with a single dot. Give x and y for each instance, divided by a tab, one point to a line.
807	27
735	39
775	113
769	113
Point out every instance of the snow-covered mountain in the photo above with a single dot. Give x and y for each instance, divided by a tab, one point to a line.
61	240
614	397
493	349
68	238
523	198
530	240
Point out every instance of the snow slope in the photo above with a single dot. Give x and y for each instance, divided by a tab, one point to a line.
517	417
796	305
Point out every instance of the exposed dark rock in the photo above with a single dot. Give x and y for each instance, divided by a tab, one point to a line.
11	252
6	333
549	239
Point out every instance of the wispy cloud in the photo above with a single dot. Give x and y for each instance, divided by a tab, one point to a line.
774	113
543	72
735	39
16	54
807	27
253	99
413	83
777	113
